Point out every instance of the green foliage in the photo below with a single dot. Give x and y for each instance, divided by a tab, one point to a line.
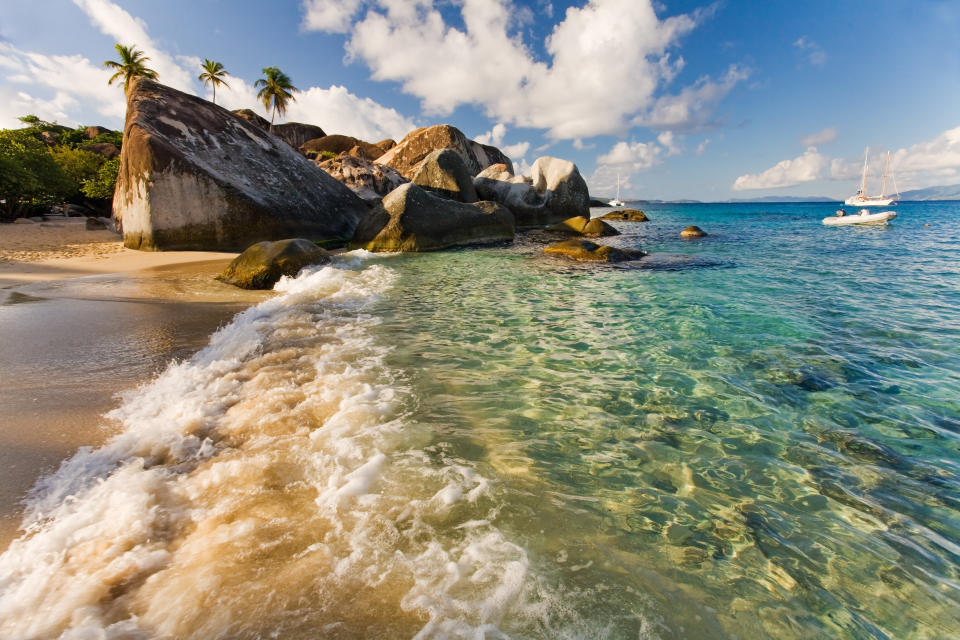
276	90
78	166
30	177
327	155
213	73
131	65
103	184
113	137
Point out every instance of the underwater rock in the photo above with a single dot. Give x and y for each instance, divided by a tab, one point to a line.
693	231
626	215
594	228
586	251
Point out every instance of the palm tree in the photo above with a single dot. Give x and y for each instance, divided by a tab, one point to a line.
213	73
275	90
130	66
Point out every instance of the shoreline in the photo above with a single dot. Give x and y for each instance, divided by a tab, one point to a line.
84	321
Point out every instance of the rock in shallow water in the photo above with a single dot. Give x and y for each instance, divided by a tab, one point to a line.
262	264
444	173
594	228
693	231
586	251
626	215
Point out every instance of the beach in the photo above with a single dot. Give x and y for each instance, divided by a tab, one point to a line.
82	320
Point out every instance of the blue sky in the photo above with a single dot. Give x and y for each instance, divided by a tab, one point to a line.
681	99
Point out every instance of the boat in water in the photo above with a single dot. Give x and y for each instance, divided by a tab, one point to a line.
862	217
617	202
861	199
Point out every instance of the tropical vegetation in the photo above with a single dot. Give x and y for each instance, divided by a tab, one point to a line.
276	91
131	65
213	74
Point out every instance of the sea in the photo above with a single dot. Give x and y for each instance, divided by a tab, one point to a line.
755	434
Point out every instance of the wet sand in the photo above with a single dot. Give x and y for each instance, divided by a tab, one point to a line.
79	330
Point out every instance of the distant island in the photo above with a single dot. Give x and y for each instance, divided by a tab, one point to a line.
947	192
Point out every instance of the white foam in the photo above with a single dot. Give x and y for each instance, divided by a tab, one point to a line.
273	472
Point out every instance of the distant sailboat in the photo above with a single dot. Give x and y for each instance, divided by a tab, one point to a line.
617	202
861	199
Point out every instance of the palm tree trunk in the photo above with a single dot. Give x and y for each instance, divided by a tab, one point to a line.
214	93
272	115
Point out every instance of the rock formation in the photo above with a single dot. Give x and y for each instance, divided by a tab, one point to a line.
407	155
555	191
693	231
586	251
295	133
261	265
626	215
194	176
337	144
411	219
581	226
387	144
104	149
94	131
369	180
443	172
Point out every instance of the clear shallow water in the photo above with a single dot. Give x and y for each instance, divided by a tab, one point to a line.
752	435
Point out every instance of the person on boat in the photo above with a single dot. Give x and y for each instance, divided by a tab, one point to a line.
841	213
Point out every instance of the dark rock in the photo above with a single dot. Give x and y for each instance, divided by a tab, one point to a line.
599	203
626	215
387	144
294	133
95	224
693	231
586	251
337	144
252	117
105	149
594	228
411	219
556	191
407	155
443	172
369	180
261	265
93	132
194	176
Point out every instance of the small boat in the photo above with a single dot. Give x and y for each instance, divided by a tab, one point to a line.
617	202
861	199
862	217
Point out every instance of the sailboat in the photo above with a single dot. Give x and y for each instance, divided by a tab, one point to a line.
617	202
861	199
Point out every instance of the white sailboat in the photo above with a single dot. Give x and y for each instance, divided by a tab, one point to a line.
617	202
861	199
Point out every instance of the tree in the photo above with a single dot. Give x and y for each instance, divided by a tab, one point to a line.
275	90
29	175
77	166
103	184
213	73
130	66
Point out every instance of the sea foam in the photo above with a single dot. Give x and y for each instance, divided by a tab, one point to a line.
269	486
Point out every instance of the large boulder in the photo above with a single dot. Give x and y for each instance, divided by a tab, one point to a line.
105	149
386	144
411	219
194	176
693	231
555	192
586	251
581	226
261	265
337	144
94	131
252	117
407	155
626	215
295	133
369	180
443	172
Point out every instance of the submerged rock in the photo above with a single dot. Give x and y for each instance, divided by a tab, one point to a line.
586	251
369	180
626	215
693	231
407	155
261	265
194	176
555	192
411	219
443	172
594	228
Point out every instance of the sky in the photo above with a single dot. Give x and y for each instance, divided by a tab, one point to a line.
685	99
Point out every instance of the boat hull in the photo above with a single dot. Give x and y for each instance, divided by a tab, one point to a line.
854	201
879	218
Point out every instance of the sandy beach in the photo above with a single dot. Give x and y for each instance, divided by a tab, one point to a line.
84	319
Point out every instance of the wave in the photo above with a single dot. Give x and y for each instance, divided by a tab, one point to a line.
272	485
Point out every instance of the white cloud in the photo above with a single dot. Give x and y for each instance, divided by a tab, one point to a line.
692	109
820	137
702	147
494	136
943	152
804	168
666	138
814	52
518	150
617	49
334	16
634	155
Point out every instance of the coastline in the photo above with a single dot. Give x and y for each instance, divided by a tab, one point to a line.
84	320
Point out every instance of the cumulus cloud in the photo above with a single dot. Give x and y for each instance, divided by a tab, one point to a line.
702	147
494	136
804	168
820	137
691	110
667	139
924	164
633	155
334	16
605	44
518	150
814	53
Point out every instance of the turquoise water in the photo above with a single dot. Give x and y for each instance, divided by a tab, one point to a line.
752	435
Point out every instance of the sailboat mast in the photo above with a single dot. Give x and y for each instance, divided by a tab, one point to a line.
618	187
863	187
886	168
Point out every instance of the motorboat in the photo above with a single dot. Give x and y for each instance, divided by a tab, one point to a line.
862	217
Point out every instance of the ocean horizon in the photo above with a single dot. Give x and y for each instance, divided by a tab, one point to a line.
755	434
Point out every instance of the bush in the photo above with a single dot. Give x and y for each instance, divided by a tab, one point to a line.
30	177
102	186
78	166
